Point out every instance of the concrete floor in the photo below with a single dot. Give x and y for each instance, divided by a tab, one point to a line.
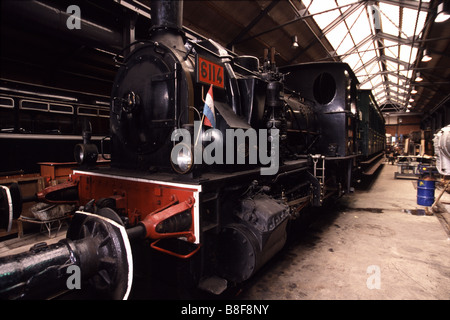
366	247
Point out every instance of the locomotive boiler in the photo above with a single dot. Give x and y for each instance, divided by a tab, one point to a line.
281	140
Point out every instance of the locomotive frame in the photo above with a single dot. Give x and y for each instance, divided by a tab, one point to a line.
224	221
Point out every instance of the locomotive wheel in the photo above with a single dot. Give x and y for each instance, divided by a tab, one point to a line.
114	269
10	205
16	200
109	213
238	258
5	209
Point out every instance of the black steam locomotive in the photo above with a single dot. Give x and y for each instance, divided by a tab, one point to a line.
218	200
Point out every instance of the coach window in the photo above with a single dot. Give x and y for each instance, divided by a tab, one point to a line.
7	118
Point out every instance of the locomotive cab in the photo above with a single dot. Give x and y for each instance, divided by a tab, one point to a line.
331	87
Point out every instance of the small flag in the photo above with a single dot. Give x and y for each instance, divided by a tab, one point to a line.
208	109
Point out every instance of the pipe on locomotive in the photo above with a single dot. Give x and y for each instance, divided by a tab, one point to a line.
167	15
53	18
95	254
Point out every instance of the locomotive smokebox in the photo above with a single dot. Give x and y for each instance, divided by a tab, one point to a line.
166	14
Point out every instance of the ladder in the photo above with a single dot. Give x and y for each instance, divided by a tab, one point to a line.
319	172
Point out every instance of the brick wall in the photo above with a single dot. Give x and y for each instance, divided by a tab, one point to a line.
402	125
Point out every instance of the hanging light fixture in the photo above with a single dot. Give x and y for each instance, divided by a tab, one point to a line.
426	57
413	91
443	11
294	42
418	77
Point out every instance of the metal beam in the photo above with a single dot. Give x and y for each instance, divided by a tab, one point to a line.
258	18
302	13
368	63
392	93
393	106
136	6
353	7
370	38
408	4
408	42
299	18
393	73
397	60
392	84
395	100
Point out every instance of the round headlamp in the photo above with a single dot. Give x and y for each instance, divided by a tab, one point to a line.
85	153
182	159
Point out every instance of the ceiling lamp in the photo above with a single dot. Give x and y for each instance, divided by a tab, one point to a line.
294	42
411	100
443	11
413	91
418	77
426	57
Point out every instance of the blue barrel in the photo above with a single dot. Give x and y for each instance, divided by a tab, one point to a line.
425	192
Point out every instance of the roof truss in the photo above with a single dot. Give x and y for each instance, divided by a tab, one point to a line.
380	40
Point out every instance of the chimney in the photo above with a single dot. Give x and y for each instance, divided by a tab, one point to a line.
167	22
166	15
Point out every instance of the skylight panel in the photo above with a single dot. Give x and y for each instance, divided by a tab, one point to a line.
345	45
377	81
389	18
381	99
377	89
351	19
336	36
362	73
407	54
392	78
390	45
365	48
345	2
368	58
381	59
399	99
366	86
323	19
353	61
380	95
361	28
391	49
392	66
406	73
402	91
410	16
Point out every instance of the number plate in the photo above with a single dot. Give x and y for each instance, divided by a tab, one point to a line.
210	72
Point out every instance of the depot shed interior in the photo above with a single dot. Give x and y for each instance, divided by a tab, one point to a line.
400	50
386	43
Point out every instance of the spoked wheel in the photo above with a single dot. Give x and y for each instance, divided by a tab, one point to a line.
113	261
